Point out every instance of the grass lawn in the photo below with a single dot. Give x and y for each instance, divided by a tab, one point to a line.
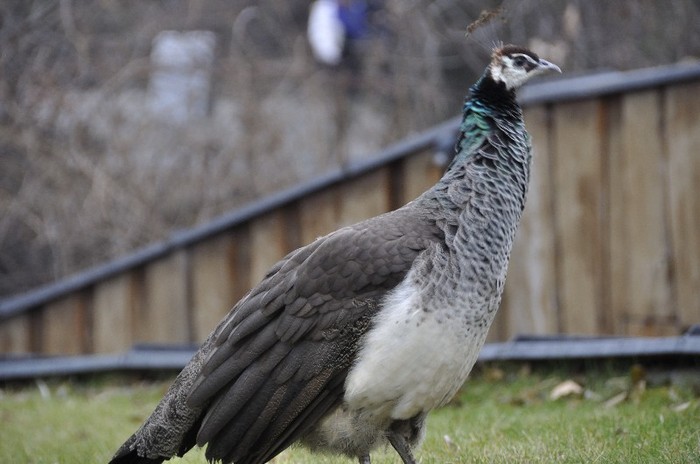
504	415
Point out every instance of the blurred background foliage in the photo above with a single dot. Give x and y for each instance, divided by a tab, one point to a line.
88	171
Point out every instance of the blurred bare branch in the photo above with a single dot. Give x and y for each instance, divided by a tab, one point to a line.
88	171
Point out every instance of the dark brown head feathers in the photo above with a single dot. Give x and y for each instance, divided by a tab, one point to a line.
513	49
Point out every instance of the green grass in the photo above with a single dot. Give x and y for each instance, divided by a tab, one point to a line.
504	415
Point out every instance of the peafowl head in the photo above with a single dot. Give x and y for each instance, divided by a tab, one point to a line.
513	66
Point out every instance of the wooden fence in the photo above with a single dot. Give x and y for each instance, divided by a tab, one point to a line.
609	244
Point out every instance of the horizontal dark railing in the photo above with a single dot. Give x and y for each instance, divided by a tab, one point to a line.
524	348
552	91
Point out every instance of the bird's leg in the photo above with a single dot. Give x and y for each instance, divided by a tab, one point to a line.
364	459
403	434
398	441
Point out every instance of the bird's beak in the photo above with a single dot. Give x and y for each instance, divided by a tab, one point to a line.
547	66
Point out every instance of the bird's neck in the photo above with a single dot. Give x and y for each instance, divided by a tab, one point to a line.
493	95
483	190
490	107
479	200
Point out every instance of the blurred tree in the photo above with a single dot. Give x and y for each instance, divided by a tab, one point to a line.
88	172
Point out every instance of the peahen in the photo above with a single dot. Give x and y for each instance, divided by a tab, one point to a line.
350	341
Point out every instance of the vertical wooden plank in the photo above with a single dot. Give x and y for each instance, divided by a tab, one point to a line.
499	330
355	200
319	214
163	314
113	301
420	172
213	277
530	302
14	335
617	317
241	259
651	327
639	287
63	326
268	244
682	125
576	160
364	197
291	216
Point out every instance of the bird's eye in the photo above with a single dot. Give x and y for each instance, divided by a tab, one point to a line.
519	61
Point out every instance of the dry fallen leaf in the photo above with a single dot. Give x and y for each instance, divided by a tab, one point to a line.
637	374
637	391
494	374
448	440
566	388
681	407
615	400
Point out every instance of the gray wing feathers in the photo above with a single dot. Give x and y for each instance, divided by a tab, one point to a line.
285	349
278	361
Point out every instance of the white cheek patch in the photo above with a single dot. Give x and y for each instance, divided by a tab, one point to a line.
511	75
